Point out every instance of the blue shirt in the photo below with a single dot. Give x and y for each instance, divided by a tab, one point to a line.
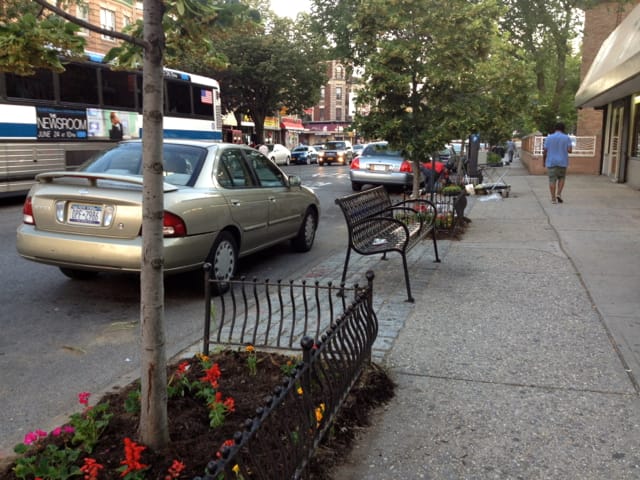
557	146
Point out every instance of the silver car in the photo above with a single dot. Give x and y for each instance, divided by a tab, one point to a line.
221	202
377	164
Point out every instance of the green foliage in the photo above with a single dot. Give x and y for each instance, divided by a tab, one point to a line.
31	38
544	32
52	463
493	158
431	70
89	425
269	70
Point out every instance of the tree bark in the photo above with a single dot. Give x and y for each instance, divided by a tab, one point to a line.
154	430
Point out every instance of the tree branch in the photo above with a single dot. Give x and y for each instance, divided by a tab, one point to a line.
90	26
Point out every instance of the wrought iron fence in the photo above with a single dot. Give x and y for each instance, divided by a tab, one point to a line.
280	440
273	315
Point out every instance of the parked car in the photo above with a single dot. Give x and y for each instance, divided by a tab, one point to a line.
378	164
357	149
279	154
221	202
338	151
304	154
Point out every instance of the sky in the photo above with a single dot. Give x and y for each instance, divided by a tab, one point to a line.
290	8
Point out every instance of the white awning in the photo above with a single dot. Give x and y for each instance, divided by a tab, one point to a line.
615	72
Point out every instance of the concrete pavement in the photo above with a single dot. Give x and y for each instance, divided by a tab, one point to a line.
521	356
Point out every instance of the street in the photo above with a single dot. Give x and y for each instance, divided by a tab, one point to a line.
61	336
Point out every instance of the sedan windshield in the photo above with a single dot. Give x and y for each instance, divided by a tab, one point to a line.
182	163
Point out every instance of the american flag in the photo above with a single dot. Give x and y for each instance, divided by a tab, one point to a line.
206	96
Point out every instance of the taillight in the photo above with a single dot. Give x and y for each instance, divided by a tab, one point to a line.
173	226
406	166
27	212
355	164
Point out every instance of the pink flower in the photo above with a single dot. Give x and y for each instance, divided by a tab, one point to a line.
33	437
83	398
56	432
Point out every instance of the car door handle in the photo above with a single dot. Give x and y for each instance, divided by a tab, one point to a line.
273	199
236	203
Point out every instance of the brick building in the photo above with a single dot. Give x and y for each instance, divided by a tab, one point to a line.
108	14
331	118
608	96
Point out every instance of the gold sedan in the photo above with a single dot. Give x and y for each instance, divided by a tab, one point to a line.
221	202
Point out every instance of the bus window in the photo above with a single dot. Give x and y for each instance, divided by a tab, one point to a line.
203	101
118	89
32	87
178	97
79	84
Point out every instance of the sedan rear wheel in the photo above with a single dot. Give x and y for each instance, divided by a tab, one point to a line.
78	274
307	233
223	259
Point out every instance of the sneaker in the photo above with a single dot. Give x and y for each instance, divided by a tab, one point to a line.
559	199
554	201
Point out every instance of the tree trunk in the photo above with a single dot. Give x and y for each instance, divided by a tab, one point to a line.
154	429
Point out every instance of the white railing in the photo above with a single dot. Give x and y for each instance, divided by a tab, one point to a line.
582	146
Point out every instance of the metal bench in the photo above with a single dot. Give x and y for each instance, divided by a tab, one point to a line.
376	225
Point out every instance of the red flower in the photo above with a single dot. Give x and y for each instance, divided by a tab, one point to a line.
212	375
230	404
182	369
227	443
174	470
132	453
91	468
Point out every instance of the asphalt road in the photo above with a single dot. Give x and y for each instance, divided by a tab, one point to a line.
60	337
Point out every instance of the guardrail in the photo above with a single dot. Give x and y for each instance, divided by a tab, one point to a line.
281	439
584	146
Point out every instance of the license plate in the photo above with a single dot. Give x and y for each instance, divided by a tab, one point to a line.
378	168
85	214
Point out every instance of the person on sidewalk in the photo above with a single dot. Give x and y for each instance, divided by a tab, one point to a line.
511	150
555	156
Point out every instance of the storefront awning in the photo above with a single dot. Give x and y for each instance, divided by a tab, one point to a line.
615	72
292	124
230	120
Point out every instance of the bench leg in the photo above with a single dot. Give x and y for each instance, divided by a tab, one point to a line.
435	245
406	278
344	272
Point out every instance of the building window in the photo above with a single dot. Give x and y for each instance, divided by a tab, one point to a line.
338	93
339	114
321	114
107	22
322	94
126	20
82	12
339	72
635	125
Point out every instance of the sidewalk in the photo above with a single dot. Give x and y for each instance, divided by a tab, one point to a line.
521	357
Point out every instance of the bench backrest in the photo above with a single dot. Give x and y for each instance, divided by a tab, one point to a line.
358	206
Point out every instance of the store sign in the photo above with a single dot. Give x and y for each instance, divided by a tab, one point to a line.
61	123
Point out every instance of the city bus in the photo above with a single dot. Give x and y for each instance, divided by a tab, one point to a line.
56	121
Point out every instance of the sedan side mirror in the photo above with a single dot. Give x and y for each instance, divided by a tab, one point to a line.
294	181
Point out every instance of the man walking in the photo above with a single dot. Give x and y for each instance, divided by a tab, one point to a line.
555	156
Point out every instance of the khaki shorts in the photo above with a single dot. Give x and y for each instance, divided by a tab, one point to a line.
557	173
